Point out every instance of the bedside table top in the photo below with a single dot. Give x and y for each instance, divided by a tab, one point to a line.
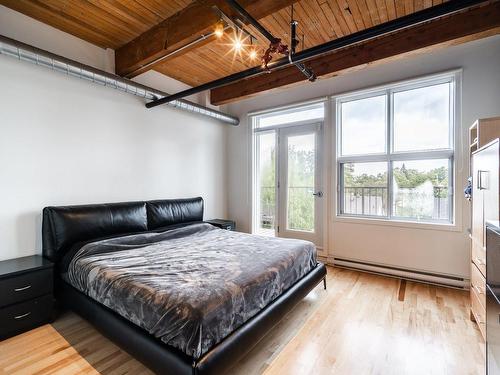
16	266
220	221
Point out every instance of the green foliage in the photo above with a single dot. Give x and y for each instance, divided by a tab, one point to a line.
412	178
301	168
267	192
301	165
405	179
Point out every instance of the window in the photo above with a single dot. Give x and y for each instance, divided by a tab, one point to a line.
292	115
395	151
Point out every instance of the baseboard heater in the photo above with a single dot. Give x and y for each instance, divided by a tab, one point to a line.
412	275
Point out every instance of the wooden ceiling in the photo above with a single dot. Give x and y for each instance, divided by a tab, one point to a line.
106	23
114	23
142	30
319	22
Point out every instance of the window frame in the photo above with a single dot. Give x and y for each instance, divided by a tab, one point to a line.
255	130
390	156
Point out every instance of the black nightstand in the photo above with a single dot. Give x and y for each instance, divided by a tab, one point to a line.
26	298
223	224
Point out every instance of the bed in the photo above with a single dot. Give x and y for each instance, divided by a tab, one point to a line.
180	295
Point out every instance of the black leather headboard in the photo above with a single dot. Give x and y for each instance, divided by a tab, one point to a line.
163	213
64	226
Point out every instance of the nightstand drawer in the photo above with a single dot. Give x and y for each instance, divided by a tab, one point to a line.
26	315
25	286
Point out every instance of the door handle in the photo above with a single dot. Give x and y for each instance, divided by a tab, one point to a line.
480	182
23	288
319	194
22	316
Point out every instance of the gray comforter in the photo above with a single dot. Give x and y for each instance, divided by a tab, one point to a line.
190	287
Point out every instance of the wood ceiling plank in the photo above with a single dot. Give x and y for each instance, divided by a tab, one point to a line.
474	23
418	5
400	8
335	25
164	9
363	8
67	23
427	3
382	10
308	27
356	14
315	16
347	12
140	8
372	10
127	14
391	9
409	6
279	24
96	16
325	23
340	16
176	31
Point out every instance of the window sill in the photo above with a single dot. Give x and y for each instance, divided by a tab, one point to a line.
447	227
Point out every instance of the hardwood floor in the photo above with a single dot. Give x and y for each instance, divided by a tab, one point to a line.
363	324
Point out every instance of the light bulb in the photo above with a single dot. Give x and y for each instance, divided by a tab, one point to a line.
238	44
219	30
252	54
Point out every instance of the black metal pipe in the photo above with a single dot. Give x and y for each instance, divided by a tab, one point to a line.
308	73
249	19
409	20
270	37
293	35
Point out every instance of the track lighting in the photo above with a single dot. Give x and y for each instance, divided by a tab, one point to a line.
219	30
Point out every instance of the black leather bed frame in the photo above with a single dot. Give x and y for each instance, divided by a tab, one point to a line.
66	226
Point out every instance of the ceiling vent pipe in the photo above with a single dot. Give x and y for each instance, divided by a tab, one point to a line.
37	56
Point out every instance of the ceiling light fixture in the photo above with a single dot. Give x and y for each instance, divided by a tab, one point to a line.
237	43
252	54
219	30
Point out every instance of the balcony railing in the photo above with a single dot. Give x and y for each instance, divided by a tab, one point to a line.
412	203
366	200
369	201
267	207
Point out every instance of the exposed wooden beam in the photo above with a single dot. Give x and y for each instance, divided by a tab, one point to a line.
479	21
178	30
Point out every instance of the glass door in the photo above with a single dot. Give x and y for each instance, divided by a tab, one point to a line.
288	195
300	194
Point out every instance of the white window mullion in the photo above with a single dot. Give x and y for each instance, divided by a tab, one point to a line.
390	147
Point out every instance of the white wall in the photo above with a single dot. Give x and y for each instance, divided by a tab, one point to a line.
440	251
66	141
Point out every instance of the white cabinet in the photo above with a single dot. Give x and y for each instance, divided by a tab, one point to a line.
485	207
485	202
